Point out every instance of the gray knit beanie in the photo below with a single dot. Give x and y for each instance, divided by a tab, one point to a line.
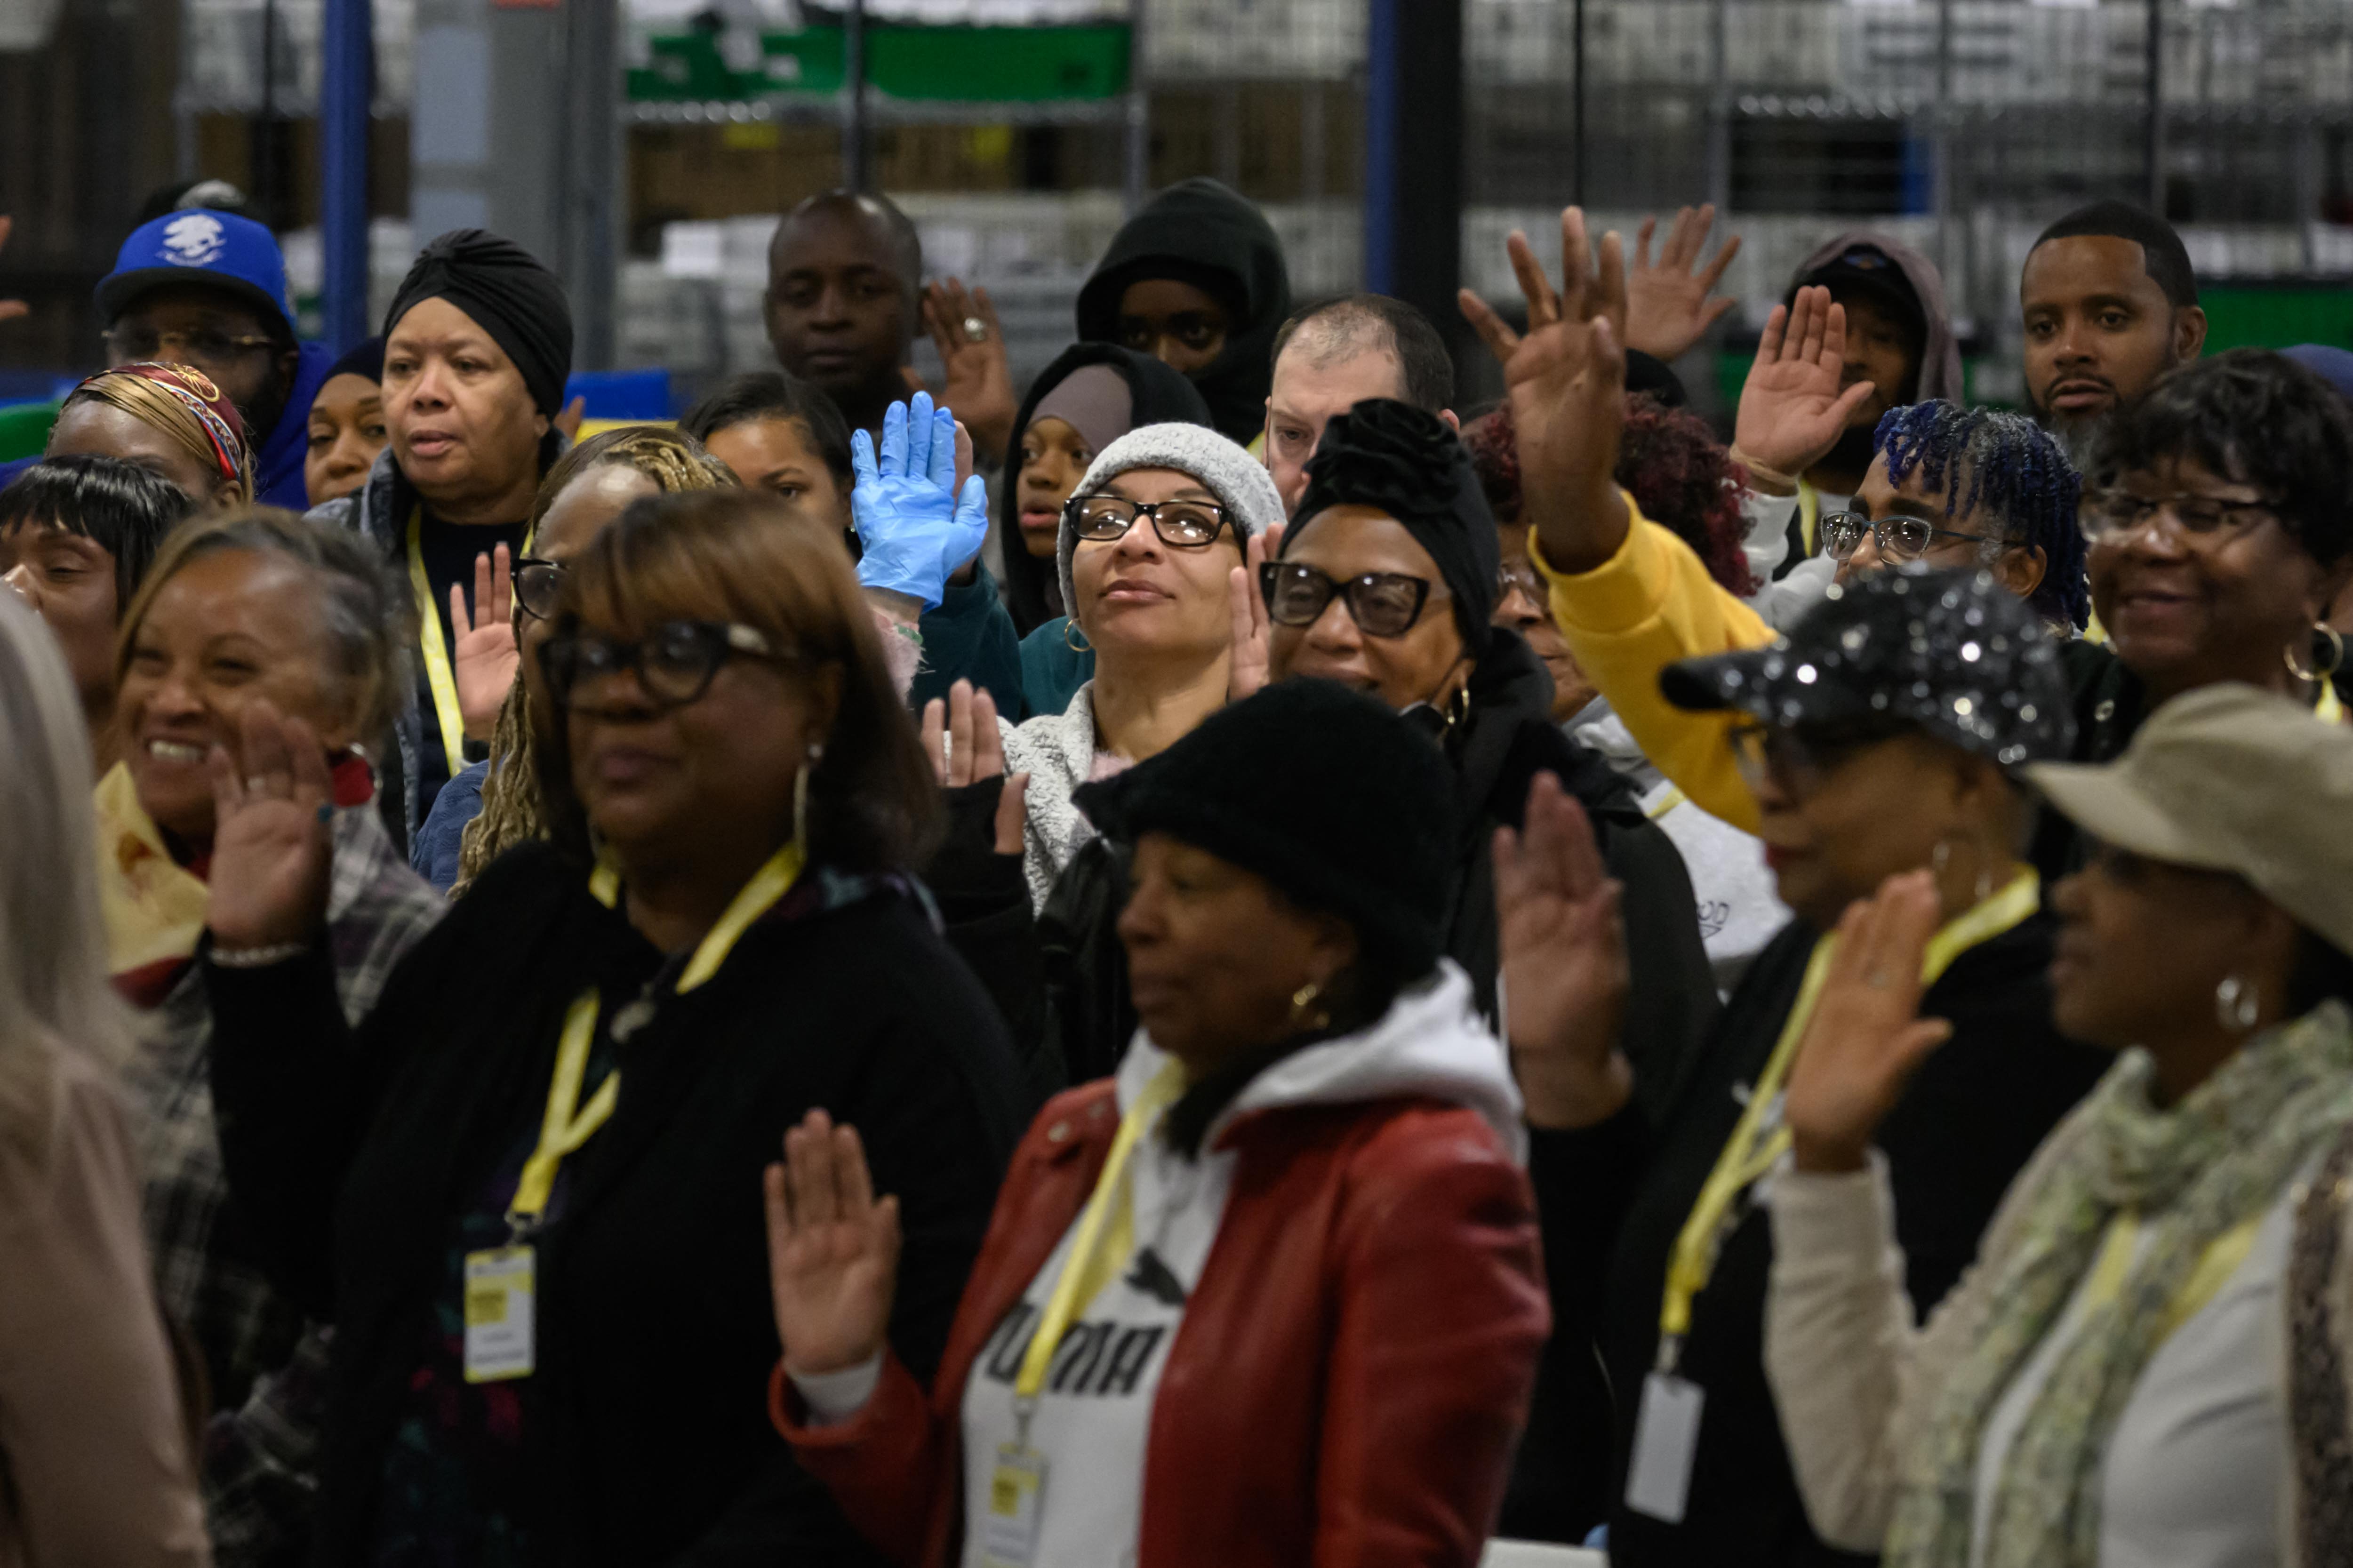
1225	471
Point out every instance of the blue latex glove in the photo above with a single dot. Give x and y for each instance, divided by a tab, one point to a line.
914	528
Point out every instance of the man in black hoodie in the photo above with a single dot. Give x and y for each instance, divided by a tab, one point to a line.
1196	280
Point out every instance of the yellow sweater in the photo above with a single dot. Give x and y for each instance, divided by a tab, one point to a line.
1650	604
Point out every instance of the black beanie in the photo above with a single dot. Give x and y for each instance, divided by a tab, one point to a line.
509	294
1323	791
1411	465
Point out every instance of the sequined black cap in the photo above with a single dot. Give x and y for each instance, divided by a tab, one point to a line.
1952	652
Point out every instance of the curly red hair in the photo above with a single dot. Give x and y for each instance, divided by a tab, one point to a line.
1668	460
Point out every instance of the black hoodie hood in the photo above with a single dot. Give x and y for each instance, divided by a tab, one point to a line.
1203	233
1158	395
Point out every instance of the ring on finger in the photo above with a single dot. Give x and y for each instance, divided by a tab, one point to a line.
975	329
257	784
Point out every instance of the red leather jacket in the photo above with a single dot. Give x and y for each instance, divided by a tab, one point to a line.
1348	1380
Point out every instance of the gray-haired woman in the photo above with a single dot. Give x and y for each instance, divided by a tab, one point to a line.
94	1460
256	605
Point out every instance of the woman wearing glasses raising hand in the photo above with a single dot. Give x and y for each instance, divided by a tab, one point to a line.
522	1186
2219	508
1150	540
1386	583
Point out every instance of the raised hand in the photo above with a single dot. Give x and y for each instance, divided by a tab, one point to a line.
1792	407
10	308
1566	381
979	384
1246	668
1668	306
1867	1037
271	848
833	1249
917	525
483	656
961	738
1564	972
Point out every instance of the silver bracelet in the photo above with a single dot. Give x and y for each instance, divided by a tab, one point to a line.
258	957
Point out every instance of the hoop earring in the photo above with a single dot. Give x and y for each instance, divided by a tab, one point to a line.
1073	638
2236	1004
800	800
2322	632
1306	1015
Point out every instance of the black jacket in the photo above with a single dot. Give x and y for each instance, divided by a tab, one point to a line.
1507	738
1614	1198
646	1437
1158	395
1200	232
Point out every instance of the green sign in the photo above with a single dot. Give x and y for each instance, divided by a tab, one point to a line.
958	65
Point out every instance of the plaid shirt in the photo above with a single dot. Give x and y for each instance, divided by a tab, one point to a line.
208	1263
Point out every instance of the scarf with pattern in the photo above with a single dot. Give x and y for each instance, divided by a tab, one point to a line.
2192	1173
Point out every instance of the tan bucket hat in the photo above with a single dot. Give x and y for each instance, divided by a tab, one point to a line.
2229	778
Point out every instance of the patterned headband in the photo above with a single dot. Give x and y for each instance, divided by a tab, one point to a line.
182	401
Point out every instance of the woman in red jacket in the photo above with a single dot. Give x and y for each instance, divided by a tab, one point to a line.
1269	1296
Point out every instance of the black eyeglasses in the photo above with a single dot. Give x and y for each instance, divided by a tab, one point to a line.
1181	524
135	344
1796	761
675	663
1900	537
1384	604
538	583
2113	514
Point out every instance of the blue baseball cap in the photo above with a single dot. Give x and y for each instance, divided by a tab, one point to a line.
220	249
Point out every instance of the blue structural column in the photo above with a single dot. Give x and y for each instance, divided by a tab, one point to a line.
1413	154
346	86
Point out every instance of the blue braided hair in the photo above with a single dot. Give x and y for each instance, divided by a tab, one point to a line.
2009	468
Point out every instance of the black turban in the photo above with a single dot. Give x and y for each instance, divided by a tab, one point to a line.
506	291
1396	459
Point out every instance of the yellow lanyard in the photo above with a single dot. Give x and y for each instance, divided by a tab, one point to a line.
1759	1138
438	675
2216	1263
1667	803
1809	517
2328	710
1105	1237
568	1123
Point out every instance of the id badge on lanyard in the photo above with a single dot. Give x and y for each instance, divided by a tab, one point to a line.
499	1321
1666	1436
1017	1490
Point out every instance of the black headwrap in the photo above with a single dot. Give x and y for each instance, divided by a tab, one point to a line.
1200	232
509	294
364	359
1411	465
